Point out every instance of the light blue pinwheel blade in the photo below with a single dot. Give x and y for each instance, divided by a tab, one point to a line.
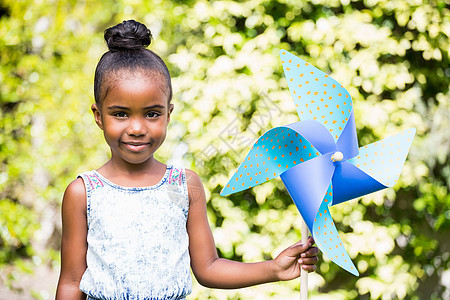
327	238
319	97
378	166
309	186
273	153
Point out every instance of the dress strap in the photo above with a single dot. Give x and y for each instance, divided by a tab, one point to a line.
176	176
177	188
91	183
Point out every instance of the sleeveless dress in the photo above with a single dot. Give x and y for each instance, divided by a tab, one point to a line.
137	239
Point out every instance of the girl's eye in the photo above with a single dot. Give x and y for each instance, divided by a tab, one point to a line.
152	114
120	114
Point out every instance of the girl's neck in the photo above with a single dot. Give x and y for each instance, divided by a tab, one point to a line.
147	173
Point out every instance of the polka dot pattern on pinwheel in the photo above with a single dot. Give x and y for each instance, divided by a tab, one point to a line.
273	153
320	98
327	238
316	95
384	160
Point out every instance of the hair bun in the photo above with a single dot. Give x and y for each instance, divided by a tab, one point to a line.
128	35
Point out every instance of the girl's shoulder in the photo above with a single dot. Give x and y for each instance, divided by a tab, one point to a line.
75	194
76	188
196	192
192	179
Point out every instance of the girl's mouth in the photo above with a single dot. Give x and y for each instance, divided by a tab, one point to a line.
136	147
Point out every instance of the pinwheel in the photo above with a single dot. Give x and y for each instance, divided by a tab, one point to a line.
318	158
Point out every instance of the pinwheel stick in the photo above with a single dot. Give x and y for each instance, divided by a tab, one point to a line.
304	273
312	180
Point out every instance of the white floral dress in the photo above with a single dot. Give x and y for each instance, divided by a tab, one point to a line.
137	239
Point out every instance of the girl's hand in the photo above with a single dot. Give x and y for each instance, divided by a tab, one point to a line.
287	264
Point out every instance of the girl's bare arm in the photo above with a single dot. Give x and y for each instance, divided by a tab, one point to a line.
212	271
74	242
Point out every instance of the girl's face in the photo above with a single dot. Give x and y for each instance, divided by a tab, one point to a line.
134	116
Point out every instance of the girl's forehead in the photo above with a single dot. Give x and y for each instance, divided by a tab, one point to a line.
138	75
136	91
132	81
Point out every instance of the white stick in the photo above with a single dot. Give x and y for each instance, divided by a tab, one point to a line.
304	274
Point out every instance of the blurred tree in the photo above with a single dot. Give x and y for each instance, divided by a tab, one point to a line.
392	56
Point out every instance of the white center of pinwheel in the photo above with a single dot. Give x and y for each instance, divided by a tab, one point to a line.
337	156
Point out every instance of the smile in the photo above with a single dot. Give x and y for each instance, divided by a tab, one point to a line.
136	147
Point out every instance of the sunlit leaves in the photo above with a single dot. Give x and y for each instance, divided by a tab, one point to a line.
392	56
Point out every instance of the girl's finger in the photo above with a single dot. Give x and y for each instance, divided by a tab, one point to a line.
309	241
309	268
312	251
309	260
296	249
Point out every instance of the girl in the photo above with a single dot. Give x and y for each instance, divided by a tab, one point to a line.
133	228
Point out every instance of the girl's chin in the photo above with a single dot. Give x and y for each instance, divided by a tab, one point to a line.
136	161
133	158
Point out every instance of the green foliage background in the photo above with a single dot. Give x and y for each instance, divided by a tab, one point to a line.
392	56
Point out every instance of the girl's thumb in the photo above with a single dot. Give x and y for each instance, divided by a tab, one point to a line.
298	248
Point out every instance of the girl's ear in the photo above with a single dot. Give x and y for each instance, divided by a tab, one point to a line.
169	111
97	115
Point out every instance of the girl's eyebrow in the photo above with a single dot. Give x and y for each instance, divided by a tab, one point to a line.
155	106
117	107
113	107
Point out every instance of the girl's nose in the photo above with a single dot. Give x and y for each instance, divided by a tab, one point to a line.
136	128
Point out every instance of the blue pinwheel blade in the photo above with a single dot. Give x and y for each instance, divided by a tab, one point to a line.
350	182
273	153
316	134
327	238
309	186
378	166
319	97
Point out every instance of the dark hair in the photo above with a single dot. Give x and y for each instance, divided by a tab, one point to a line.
127	42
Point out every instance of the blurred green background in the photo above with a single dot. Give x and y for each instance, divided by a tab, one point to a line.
229	87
